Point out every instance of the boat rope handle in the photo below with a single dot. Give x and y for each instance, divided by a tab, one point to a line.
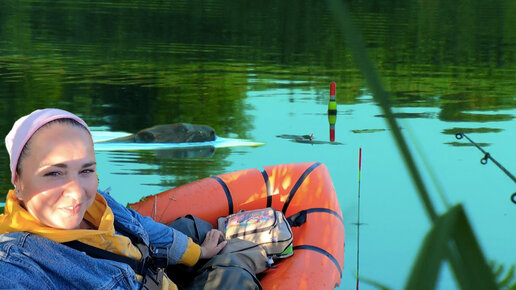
488	156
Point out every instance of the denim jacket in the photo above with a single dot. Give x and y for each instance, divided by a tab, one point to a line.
30	261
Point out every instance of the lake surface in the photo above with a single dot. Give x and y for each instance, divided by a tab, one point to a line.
258	69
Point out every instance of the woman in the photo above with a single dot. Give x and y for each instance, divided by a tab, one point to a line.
55	201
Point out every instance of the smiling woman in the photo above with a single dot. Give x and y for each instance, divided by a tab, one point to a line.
55	214
57	183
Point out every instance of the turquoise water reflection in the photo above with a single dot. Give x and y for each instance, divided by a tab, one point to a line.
393	214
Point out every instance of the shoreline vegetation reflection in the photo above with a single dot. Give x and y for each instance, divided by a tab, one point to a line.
134	64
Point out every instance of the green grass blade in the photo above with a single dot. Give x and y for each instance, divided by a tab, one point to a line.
497	270
478	274
509	277
356	45
373	283
452	238
433	252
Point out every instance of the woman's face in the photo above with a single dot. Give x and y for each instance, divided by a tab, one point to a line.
57	181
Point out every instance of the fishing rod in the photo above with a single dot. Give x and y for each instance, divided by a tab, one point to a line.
487	157
358	214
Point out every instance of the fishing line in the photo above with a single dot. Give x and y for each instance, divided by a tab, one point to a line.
488	156
358	214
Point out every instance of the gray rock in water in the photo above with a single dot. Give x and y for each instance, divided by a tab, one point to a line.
170	133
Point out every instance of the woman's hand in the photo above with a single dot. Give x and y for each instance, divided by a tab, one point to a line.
210	246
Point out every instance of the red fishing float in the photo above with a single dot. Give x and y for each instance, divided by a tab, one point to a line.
332	111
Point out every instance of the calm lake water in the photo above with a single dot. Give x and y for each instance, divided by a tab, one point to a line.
258	69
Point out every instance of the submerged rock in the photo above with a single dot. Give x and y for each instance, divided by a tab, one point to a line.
170	133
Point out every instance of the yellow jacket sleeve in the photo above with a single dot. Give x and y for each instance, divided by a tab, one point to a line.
191	255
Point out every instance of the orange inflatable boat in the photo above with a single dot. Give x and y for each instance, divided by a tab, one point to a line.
318	243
